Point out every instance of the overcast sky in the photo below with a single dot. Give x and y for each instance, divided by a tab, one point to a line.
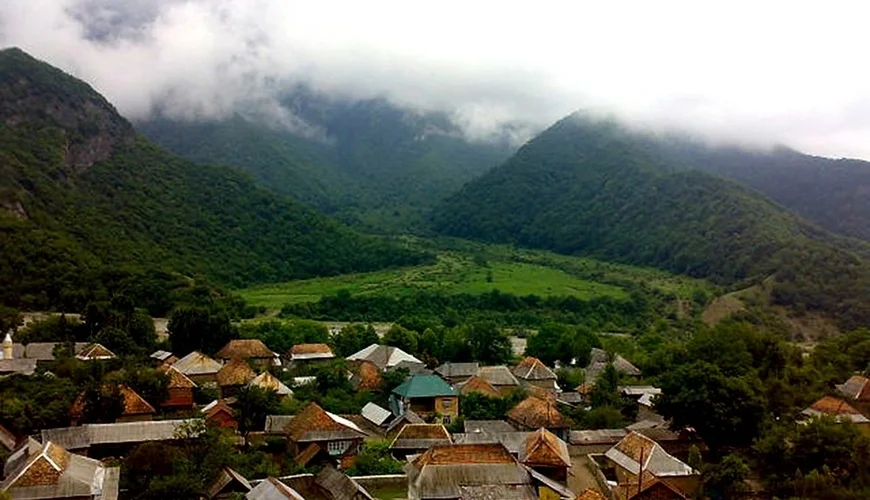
751	71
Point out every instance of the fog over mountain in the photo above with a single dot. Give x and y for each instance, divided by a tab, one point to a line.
758	74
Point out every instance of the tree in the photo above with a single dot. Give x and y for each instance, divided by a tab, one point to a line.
603	417
253	405
489	345
150	383
726	480
353	338
724	410
196	328
375	459
403	338
102	402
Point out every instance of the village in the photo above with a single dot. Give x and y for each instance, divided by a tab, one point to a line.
534	452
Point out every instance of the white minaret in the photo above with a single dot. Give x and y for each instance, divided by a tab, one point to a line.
7	347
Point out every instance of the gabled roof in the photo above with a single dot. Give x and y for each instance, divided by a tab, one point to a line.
228	481
479	386
161	355
599	362
487	426
311	351
589	494
49	471
340	485
498	376
235	372
273	489
84	436
464	454
7	439
531	368
544	449
408	417
424	386
95	352
270	382
197	363
449	369
420	437
245	349
375	414
857	388
384	356
275	424
536	412
315	424
133	403
177	380
637	453
836	408
215	407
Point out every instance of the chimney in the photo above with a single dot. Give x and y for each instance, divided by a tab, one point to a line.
7	347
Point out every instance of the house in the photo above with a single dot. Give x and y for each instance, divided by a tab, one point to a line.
487	426
180	389
838	409
455	373
588	494
233	376
19	366
162	358
540	450
105	440
47	471
317	436
477	385
414	439
134	408
535	412
637	459
499	377
269	382
365	376
23	359
95	352
399	423
219	414
275	424
427	396
378	416
199	368
328	484
596	441
477	471
599	359
252	350
531	371
387	357
308	353
41	352
227	485
856	391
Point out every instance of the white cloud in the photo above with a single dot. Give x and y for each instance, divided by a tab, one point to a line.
751	71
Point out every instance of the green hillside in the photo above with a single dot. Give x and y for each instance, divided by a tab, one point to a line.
370	163
82	194
593	188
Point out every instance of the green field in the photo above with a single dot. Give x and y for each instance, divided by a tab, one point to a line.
471	268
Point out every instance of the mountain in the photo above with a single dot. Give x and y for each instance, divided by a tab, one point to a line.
82	193
593	187
371	163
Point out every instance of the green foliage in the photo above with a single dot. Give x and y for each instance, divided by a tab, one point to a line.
401	337
150	383
353	338
476	406
560	342
594	188
253	405
489	345
374	459
37	402
603	417
199	328
726	480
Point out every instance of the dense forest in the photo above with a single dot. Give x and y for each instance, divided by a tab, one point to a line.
589	187
371	163
82	194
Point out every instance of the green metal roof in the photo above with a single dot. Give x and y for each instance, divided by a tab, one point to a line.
424	386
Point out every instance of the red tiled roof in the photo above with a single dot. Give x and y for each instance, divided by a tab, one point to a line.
543	448
310	349
245	349
177	380
535	412
480	386
133	403
235	372
311	418
589	494
830	405
423	431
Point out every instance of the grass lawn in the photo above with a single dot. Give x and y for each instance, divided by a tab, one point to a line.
475	268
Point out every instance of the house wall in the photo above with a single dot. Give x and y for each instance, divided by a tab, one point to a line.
447	406
223	420
208	380
179	396
548	384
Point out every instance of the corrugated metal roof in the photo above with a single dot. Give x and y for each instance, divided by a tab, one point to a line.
197	363
488	426
375	414
384	356
457	369
125	432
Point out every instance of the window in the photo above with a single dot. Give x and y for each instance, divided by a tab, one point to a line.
337	447
446	403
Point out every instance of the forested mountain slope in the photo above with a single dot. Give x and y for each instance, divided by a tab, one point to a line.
81	193
371	163
588	186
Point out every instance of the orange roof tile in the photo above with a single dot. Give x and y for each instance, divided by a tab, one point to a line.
235	372
480	386
177	380
534	412
830	405
310	349
370	378
133	403
452	454
531	368
245	349
635	446
219	407
311	418
545	449
95	351
589	494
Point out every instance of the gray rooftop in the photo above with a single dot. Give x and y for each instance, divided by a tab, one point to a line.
76	438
